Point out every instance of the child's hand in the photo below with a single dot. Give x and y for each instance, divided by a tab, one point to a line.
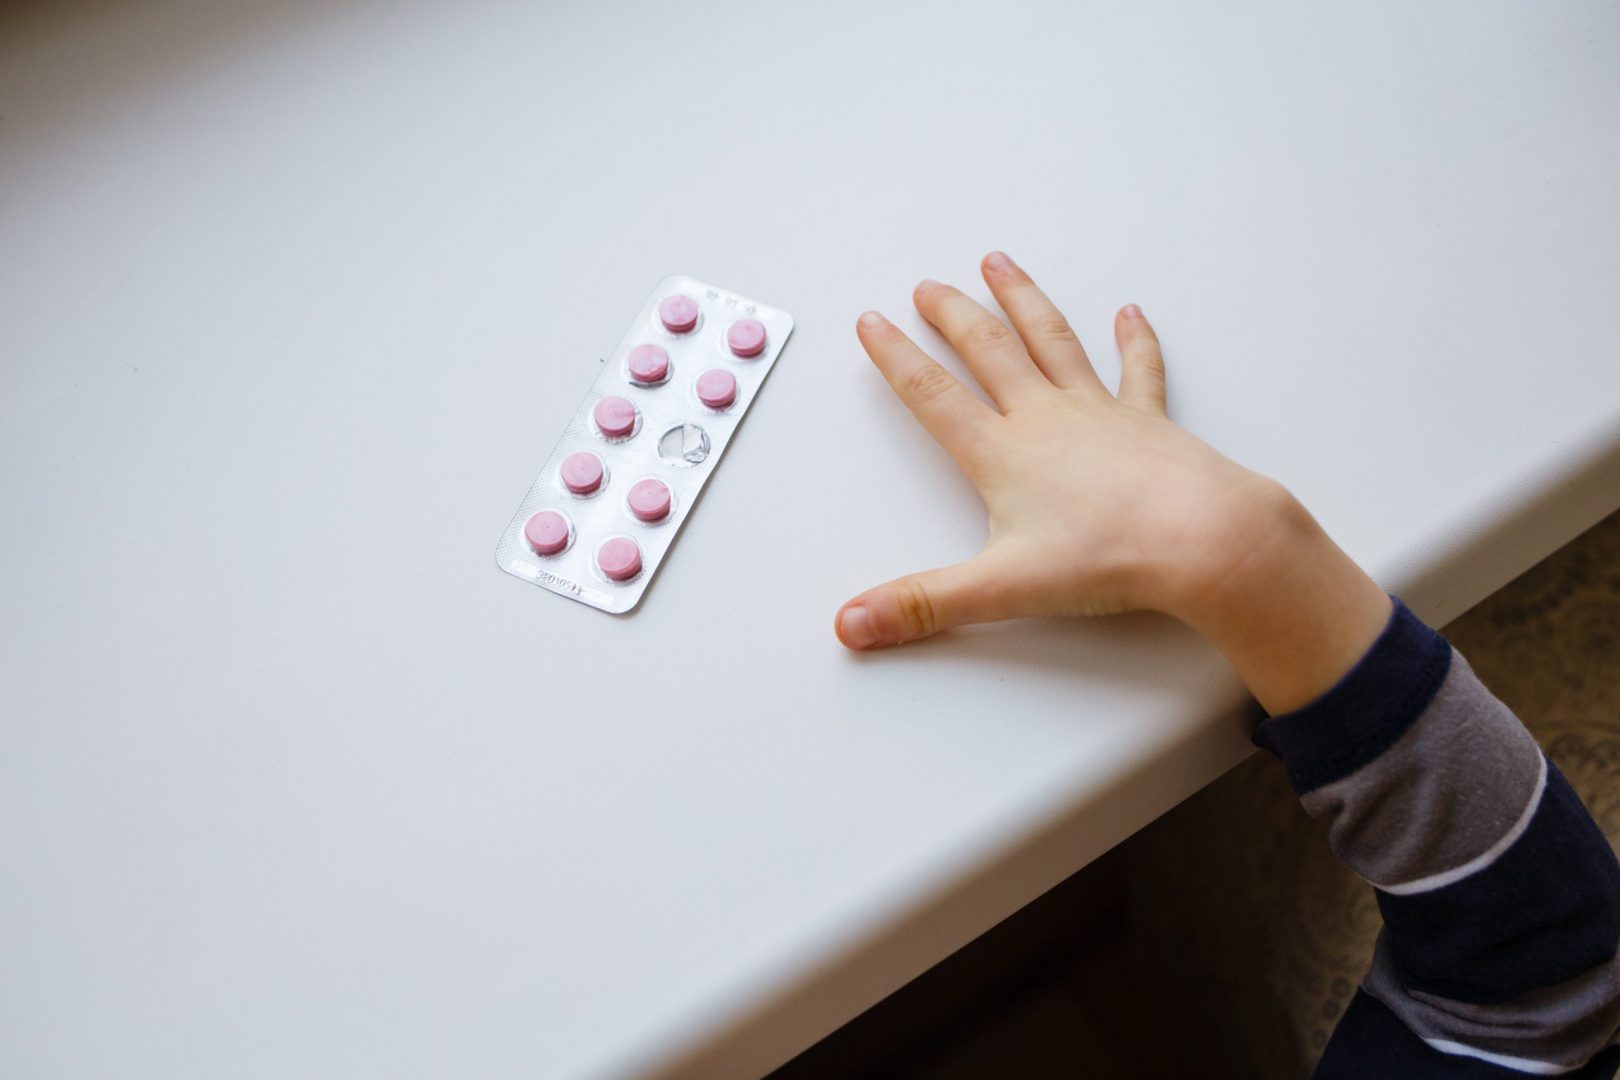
1097	504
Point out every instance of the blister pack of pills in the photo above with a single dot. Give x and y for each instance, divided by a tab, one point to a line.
621	481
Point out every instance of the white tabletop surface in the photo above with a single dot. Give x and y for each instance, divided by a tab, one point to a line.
294	300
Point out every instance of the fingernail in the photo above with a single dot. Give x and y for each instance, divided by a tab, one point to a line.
855	627
926	284
871	318
997	261
1131	311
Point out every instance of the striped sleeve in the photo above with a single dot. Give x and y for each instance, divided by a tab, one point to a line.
1500	895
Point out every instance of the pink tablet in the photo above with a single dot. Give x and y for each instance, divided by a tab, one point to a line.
678	313
581	473
746	337
649	499
615	417
619	558
717	388
546	532
648	364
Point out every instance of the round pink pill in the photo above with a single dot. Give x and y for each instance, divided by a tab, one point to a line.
648	364
619	558
581	472
649	499
746	337
716	388
678	313
615	417
547	532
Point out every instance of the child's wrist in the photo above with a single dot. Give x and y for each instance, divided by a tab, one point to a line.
1287	607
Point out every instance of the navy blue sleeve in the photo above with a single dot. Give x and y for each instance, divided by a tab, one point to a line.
1371	1041
1500	895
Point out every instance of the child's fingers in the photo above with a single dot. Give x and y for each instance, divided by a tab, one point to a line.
1046	333
920	605
946	409
992	351
1141	376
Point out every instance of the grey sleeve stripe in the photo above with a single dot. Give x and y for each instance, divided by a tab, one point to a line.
1484	858
1546	1031
1447	792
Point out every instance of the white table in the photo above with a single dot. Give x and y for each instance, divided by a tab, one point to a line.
294	300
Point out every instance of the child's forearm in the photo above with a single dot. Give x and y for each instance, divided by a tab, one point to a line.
1500	896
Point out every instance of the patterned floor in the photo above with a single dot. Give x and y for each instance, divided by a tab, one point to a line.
1224	940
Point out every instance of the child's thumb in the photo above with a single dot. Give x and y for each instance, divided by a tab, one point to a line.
919	605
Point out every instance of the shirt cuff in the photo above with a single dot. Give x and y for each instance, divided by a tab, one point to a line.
1365	711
